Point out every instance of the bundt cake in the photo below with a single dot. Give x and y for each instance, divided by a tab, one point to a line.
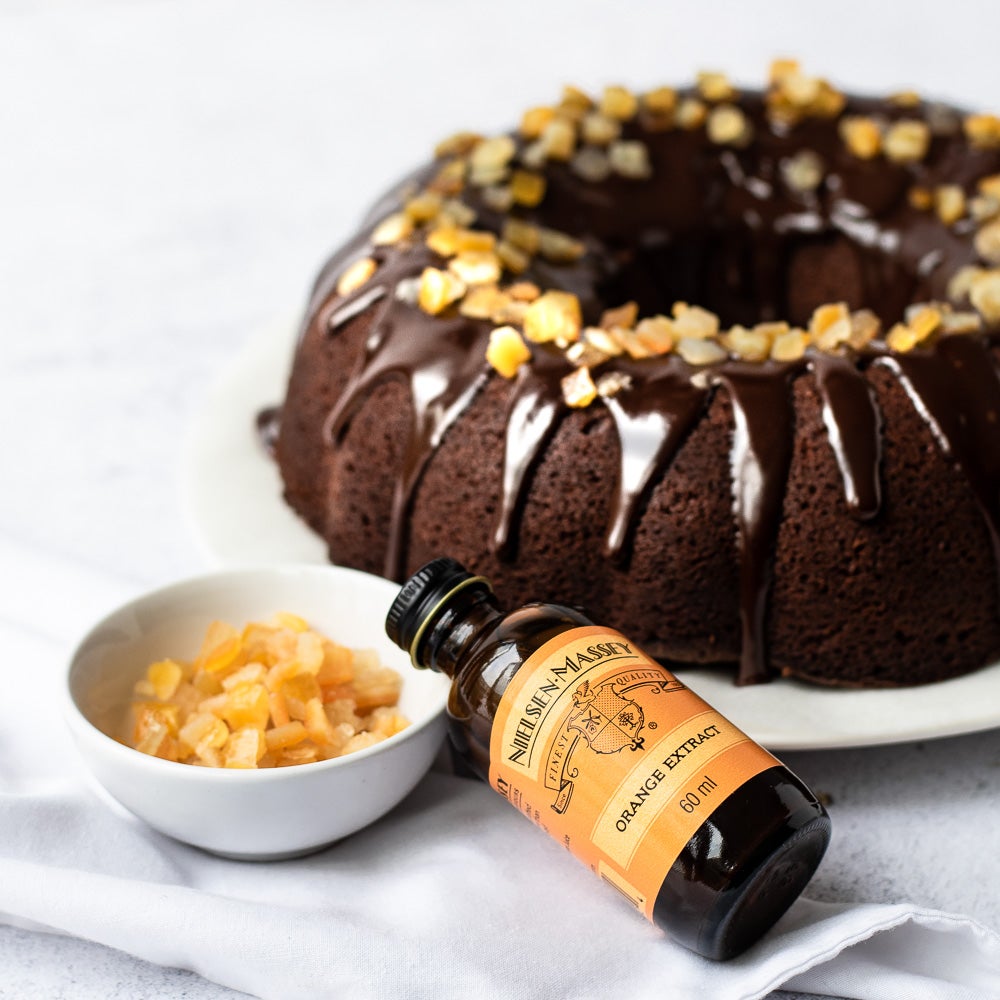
719	366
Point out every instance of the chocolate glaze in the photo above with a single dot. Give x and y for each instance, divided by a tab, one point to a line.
760	456
957	391
652	419
443	364
534	410
854	425
719	228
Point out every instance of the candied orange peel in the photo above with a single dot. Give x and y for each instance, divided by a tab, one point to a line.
270	695
507	271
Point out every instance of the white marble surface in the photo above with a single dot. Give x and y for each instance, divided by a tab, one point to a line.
171	176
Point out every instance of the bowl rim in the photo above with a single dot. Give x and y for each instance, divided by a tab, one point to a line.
78	721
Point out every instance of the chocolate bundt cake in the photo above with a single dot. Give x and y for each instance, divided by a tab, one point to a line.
718	366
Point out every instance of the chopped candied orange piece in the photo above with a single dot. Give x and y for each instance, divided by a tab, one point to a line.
220	649
279	710
155	730
528	188
215	704
309	652
386	721
317	724
251	673
337	665
202	732
206	684
553	316
334	693
272	695
165	676
507	351
147	712
207	757
297	691
343	710
343	732
338	692
168	749
259	642
301	753
359	741
186	699
247	705
244	748
365	661
285	736
282	671
381	687
295	622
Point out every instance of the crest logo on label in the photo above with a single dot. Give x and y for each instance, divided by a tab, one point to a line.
605	719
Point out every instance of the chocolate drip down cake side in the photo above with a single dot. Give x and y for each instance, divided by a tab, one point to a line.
719	366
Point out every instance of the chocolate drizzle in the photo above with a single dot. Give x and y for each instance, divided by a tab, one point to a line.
443	365
355	306
957	391
954	387
897	257
854	426
534	410
760	457
652	420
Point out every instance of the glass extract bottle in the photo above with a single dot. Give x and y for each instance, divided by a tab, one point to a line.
701	829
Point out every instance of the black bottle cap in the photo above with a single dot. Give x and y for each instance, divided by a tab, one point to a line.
421	596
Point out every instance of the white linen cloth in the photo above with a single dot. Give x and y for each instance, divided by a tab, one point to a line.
452	895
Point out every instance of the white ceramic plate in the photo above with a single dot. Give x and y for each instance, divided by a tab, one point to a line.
233	492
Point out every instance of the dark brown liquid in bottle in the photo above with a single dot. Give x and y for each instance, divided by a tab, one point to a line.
742	868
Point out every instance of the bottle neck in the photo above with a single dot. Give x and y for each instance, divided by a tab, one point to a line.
456	627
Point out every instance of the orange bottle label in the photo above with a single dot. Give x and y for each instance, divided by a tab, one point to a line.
615	758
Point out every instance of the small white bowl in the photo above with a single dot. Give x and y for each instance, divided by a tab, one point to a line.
250	814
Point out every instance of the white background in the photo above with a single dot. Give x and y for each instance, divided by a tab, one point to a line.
171	176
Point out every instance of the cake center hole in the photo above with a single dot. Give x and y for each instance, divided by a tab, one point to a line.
749	277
